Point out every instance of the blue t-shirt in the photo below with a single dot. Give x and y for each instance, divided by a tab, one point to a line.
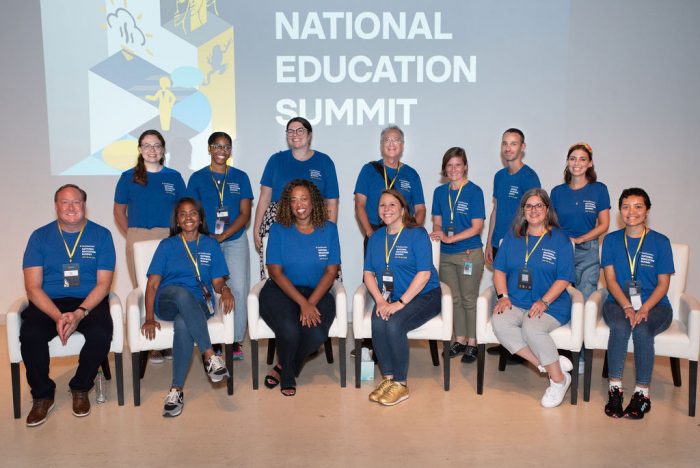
552	260
655	258
46	249
578	210
150	205
201	186
303	257
282	168
370	183
469	206
411	254
508	189
172	263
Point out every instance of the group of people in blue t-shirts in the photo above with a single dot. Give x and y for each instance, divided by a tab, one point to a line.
537	244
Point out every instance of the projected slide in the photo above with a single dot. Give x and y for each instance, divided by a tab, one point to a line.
187	67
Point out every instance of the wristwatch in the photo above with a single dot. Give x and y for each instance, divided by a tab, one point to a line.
85	311
501	296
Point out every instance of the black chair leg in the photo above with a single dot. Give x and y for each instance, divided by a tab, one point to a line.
136	376
676	371
105	368
14	370
254	362
229	367
143	362
574	378
119	369
446	363
358	362
270	351
692	386
588	370
343	362
328	345
434	352
605	365
480	360
503	359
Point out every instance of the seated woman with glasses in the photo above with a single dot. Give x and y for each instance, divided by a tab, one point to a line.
226	196
303	257
298	162
186	269
533	267
638	264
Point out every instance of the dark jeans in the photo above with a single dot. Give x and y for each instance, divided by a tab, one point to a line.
38	329
389	336
294	341
643	334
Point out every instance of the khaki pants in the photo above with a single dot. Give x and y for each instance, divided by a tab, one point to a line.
133	235
465	288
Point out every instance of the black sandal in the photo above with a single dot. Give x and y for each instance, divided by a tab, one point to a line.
270	380
292	393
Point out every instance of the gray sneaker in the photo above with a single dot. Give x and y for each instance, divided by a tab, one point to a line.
173	403
216	369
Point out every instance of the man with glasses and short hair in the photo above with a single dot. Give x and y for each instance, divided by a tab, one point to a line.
68	267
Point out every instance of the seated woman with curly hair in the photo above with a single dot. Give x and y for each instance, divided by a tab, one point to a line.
303	257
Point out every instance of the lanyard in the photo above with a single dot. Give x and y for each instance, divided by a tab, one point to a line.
75	246
388	185
633	261
387	250
449	200
528	255
219	191
189	253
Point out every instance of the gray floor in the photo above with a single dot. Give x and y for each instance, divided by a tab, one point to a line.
325	425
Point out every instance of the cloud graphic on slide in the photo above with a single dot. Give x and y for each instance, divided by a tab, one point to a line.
130	33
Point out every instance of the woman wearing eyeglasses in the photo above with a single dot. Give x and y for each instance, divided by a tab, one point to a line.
532	269
298	162
226	196
145	196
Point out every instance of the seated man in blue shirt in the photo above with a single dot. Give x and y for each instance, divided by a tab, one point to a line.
68	267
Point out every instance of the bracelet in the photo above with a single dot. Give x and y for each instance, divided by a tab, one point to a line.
628	306
545	303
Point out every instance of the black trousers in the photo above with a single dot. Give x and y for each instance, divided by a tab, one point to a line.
38	329
294	341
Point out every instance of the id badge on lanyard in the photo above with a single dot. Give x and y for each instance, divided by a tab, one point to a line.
221	219
450	230
387	284
71	275
632	287
525	278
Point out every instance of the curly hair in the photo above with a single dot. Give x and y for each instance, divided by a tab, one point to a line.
318	207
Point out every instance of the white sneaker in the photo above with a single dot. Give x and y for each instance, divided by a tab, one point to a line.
173	403
581	367
555	393
565	364
216	369
156	357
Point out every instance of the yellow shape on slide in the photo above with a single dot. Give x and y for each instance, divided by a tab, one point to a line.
121	154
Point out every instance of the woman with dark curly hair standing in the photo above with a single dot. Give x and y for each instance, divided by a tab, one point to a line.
303	257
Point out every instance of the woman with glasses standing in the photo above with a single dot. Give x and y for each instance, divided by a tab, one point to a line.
298	162
226	196
145	196
532	269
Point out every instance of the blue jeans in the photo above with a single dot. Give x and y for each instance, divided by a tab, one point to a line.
189	316
643	334
237	255
587	265
389	336
294	341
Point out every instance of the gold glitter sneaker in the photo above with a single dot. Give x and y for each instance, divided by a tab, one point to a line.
379	391
394	395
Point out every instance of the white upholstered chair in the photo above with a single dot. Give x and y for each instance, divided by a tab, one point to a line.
438	328
220	326
72	348
680	341
568	337
259	330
